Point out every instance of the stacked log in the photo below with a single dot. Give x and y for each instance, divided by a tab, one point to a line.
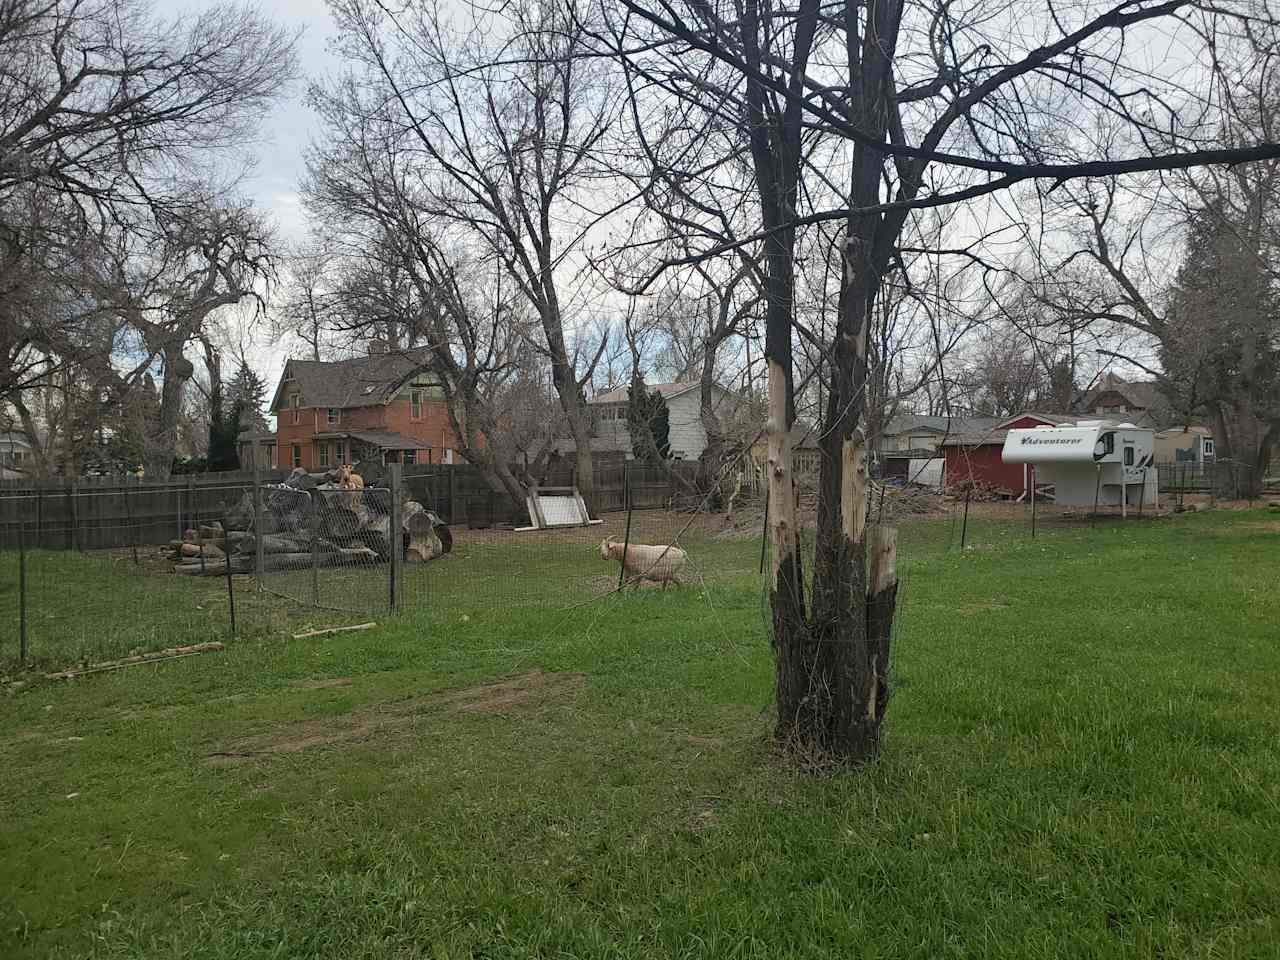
311	523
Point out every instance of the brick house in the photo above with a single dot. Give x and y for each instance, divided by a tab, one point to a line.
382	406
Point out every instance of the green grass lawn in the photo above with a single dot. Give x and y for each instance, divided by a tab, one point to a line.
1083	760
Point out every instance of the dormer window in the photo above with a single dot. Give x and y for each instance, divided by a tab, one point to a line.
295	401
334	415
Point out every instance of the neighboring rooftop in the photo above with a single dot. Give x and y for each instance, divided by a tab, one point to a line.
1138	395
356	382
668	391
916	423
983	430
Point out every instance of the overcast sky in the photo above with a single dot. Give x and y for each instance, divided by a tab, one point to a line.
287	132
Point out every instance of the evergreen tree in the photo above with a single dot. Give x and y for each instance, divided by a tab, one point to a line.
648	422
1220	342
224	431
249	391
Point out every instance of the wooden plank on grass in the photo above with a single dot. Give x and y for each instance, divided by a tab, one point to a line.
326	630
172	653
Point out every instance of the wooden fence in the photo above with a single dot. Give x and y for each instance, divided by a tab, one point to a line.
113	512
105	512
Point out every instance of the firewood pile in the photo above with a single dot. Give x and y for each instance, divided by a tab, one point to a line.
887	503
310	520
977	492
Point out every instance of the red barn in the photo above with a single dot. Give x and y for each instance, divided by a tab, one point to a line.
975	457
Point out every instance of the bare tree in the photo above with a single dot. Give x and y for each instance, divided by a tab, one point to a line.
308	311
110	115
499	120
923	105
166	286
104	101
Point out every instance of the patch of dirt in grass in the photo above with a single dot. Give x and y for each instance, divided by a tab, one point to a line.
608	584
1266	526
698	741
520	692
527	688
702	815
322	684
969	609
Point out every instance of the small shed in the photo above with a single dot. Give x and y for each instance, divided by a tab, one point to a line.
1088	462
973	456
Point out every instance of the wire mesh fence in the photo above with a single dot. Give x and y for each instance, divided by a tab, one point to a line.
85	571
92	571
327	547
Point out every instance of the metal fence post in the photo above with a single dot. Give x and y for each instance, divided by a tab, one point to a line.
395	535
231	590
964	525
259	525
128	513
453	496
22	591
315	552
626	538
1033	502
73	504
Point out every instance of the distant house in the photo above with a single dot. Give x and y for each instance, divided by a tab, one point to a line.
687	436
1133	401
973	452
16	454
259	445
1139	402
1185	444
382	406
806	456
912	432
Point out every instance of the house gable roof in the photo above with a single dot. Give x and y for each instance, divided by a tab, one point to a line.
357	382
996	430
1137	394
669	391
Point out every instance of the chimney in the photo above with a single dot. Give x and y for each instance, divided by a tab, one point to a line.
377	347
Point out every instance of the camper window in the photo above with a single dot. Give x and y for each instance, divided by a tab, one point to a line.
1105	447
1128	456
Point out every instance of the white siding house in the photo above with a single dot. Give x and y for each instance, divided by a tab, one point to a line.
687	436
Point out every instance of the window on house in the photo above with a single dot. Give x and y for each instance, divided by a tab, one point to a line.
415	404
324	454
295	400
1208	448
334	415
297	455
411	456
1128	456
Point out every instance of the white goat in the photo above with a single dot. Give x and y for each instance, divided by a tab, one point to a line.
657	563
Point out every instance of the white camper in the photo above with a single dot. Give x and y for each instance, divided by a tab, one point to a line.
1091	461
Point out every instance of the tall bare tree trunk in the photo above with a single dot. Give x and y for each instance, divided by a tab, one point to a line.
162	439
